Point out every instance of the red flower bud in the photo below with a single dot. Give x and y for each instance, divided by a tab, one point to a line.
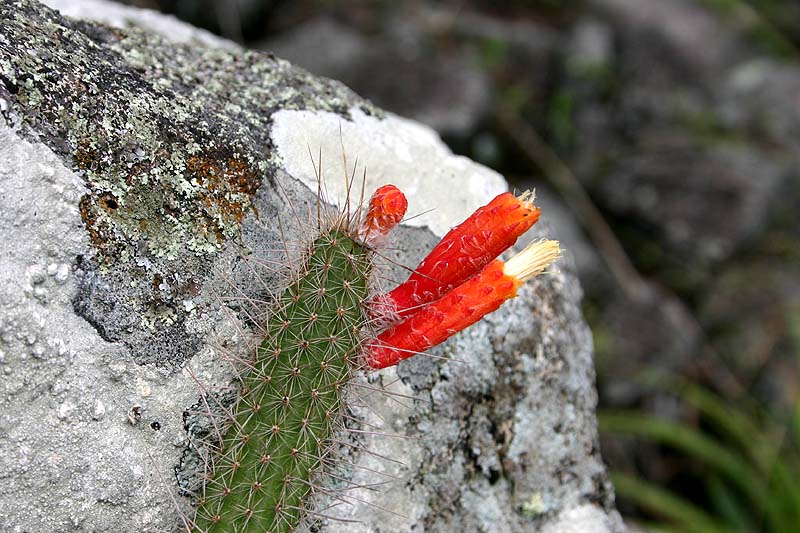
386	209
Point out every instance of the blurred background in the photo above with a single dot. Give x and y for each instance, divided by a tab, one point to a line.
663	137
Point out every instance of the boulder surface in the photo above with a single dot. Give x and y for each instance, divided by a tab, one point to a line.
148	172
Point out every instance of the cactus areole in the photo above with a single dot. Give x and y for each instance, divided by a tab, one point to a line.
280	429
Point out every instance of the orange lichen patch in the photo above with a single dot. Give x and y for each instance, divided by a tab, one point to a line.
100	231
109	202
89	218
167	213
85	157
228	185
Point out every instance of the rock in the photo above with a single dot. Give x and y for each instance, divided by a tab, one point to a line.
398	60
400	70
562	226
661	143
673	38
705	201
761	95
154	170
753	324
652	336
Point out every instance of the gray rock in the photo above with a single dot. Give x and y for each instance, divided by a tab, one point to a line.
400	70
689	146
666	146
139	179
706	201
673	37
761	96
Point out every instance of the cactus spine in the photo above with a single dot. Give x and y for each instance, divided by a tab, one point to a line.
282	423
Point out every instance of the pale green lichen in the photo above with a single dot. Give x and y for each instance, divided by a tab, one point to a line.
158	316
172	140
534	506
131	110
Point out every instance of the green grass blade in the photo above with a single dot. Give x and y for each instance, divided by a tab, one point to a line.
693	443
735	423
685	515
728	505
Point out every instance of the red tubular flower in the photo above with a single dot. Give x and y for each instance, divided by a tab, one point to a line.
387	206
464	251
462	306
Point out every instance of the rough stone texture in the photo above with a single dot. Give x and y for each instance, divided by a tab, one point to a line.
446	91
663	140
137	177
685	135
445	87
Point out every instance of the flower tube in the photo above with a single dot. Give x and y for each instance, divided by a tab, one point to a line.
462	306
463	252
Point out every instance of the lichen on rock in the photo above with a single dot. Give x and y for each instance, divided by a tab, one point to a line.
172	141
136	175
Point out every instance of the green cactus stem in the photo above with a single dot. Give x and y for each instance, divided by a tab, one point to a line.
281	426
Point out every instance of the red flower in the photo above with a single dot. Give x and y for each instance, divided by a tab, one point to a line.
463	252
460	281
462	306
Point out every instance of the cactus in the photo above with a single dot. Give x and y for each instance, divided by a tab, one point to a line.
291	397
280	428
